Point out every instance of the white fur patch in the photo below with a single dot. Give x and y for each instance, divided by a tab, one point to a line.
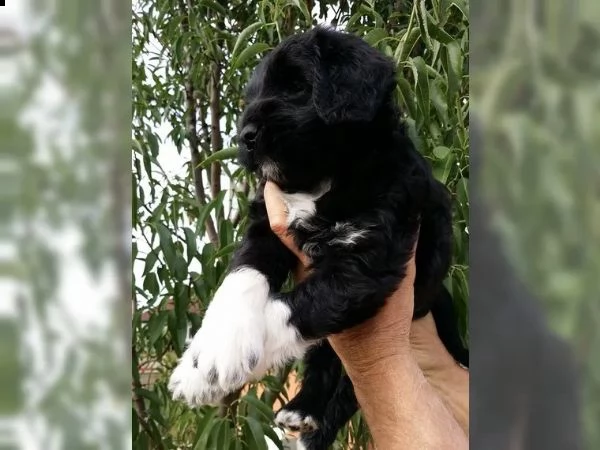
347	234
302	205
299	444
244	333
283	342
293	421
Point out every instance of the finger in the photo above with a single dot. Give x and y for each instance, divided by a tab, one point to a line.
276	208
277	212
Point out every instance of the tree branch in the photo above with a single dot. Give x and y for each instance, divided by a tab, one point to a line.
216	140
191	132
237	217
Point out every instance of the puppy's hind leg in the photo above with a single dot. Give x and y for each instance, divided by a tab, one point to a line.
340	409
322	371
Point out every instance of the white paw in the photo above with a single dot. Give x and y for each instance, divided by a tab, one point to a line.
294	421
244	333
229	349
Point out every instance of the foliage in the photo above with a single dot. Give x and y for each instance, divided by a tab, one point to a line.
537	96
62	218
190	63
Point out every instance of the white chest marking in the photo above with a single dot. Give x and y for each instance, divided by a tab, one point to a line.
302	205
347	234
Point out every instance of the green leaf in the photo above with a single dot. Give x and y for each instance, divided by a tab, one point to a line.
436	31
157	326
148	395
221	155
452	60
301	5
206	210
166	244
462	193
250	52
422	89
256	433
191	246
225	233
243	38
408	96
423	23
406	45
450	162
438	100
463	7
264	409
441	152
224	251
182	300
173	327
151	259
204	427
151	284
374	36
215	6
152	143
180	267
179	56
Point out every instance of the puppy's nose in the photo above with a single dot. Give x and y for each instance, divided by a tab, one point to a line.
248	136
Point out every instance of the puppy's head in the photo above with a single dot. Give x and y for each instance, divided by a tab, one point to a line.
309	88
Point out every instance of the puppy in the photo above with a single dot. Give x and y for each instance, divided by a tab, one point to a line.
322	124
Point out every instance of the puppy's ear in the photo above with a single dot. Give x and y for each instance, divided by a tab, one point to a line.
352	80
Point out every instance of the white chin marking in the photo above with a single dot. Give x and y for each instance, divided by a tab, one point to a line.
244	333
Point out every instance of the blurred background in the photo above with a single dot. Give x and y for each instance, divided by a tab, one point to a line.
65	71
535	109
191	63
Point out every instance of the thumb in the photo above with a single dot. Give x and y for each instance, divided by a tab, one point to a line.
278	215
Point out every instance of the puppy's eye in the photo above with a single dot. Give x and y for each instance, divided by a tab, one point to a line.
296	85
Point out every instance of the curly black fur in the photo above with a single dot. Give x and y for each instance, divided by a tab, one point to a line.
320	110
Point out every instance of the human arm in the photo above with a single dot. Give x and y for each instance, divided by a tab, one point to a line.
402	408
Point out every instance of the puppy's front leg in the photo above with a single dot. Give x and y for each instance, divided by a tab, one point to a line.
234	344
340	293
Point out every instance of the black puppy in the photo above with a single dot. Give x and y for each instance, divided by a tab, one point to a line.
321	123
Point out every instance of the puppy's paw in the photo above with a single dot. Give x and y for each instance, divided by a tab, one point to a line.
295	421
229	349
189	384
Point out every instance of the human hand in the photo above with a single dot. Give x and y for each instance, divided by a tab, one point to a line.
364	347
373	347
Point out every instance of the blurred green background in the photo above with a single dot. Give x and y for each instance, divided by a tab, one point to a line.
65	83
535	68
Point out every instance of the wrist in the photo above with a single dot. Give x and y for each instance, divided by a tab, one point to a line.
396	391
369	352
451	382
